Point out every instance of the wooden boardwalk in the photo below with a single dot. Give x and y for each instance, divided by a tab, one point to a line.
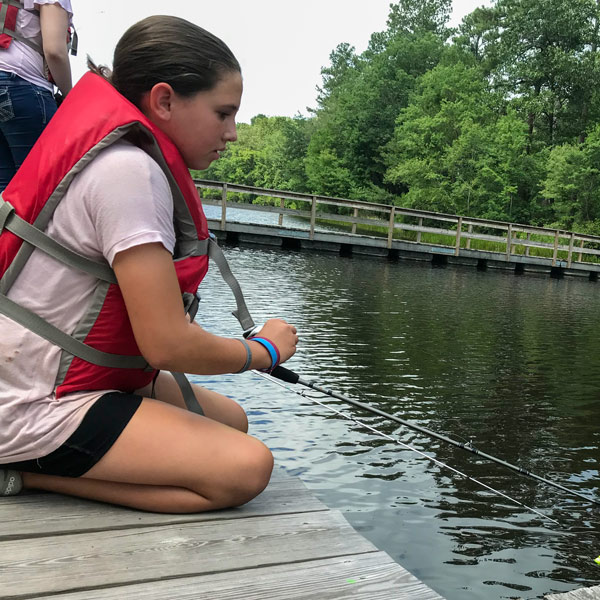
403	233
283	545
592	593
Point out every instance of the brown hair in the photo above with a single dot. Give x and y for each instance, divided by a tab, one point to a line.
171	50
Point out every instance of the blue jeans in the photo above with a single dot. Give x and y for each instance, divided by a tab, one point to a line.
25	110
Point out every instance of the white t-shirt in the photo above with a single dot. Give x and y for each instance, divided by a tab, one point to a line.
121	200
19	58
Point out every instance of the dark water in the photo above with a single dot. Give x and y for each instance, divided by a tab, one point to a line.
511	363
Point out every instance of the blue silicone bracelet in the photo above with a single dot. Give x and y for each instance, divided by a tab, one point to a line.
271	349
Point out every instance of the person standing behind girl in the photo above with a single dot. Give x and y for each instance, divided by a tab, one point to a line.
37	47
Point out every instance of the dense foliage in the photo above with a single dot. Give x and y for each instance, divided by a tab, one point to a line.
499	118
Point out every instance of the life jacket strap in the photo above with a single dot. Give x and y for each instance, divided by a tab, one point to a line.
6	210
4	10
7	12
242	314
32	235
43	328
7	29
185	387
191	306
72	41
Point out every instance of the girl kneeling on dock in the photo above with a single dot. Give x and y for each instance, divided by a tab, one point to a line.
92	413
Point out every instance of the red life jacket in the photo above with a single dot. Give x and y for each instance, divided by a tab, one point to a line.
93	116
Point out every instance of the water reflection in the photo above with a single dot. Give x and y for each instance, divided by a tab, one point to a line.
510	363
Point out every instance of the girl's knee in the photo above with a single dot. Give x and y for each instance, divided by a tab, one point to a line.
238	418
253	473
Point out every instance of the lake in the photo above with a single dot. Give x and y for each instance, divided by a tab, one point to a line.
510	363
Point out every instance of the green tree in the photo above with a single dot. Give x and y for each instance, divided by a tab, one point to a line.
573	182
362	96
454	153
477	35
270	152
420	16
545	54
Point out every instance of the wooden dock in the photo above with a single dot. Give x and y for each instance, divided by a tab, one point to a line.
592	593
283	545
403	233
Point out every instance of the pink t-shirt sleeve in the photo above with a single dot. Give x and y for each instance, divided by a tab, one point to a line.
130	202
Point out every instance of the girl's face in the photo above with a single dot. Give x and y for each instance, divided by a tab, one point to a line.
201	125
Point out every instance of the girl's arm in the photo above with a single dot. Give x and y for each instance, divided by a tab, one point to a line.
165	336
54	21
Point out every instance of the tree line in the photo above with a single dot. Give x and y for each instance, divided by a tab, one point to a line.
498	118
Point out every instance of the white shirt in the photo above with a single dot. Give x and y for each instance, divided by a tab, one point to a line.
19	58
121	200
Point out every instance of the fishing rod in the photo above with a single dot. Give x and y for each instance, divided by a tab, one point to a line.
293	378
408	447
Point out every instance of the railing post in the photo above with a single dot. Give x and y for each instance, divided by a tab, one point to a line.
509	241
570	250
580	254
224	207
419	224
391	227
527	247
555	253
354	224
313	217
458	232
282	206
470	230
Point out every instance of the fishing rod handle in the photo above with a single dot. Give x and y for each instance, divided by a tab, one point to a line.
285	374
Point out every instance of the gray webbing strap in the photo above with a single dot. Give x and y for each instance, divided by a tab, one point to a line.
242	314
27	42
74	43
41	327
191	402
6	209
32	235
13	34
3	11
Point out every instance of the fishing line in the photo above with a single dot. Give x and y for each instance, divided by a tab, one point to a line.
404	445
293	378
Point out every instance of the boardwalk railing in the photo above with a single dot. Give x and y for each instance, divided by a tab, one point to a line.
453	232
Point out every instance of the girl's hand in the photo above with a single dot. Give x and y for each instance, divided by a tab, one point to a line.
282	334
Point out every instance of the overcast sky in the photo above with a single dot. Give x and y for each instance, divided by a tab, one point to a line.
280	44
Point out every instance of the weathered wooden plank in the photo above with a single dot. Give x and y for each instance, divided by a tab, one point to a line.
372	576
46	514
47	565
592	593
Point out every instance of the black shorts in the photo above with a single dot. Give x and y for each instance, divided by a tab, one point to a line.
97	432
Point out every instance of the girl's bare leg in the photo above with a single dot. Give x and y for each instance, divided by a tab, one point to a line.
170	460
216	406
